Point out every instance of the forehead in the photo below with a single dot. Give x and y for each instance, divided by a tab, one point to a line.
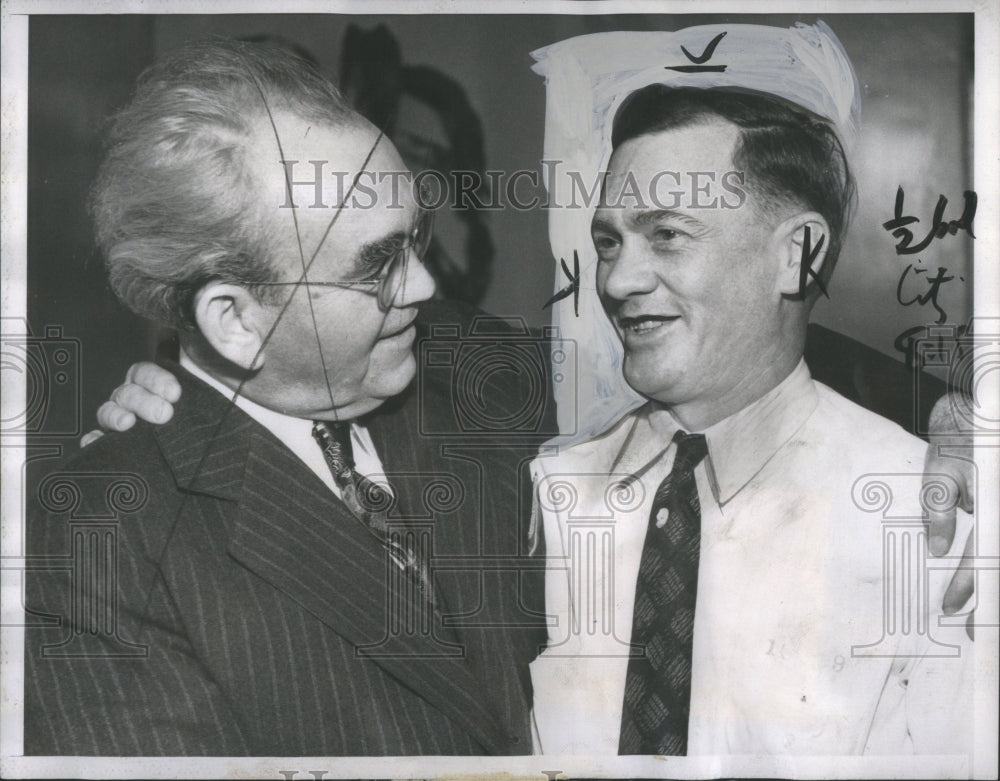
338	144
380	203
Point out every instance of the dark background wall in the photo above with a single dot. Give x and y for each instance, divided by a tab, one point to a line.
915	70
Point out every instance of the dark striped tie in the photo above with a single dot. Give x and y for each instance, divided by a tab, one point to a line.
658	685
368	502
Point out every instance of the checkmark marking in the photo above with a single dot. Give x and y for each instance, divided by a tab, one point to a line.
706	55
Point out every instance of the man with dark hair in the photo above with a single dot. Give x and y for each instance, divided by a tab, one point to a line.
267	589
790	154
745	602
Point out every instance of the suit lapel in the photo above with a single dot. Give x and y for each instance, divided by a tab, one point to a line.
414	460
288	528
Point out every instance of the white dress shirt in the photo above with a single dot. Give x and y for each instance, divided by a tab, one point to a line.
296	434
802	644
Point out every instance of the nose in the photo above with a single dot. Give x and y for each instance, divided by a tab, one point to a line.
630	273
417	284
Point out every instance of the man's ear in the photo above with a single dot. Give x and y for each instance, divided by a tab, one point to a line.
233	321
801	243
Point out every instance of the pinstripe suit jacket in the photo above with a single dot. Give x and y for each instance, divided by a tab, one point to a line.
249	614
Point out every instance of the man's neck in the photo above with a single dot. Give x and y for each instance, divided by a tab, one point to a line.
700	414
211	367
261	414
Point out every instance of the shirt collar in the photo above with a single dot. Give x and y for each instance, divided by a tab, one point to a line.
738	446
294	433
286	428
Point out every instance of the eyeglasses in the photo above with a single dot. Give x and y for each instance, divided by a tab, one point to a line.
388	281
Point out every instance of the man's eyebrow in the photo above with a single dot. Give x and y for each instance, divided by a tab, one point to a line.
373	255
655	215
597	224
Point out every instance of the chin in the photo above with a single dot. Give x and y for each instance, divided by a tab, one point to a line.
652	384
393	381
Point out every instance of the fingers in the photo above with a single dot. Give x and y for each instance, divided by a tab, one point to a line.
132	398
111	417
951	448
951	417
92	436
154	379
148	392
962	584
942	491
963	470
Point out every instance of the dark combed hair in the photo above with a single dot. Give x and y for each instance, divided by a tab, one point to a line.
790	157
175	204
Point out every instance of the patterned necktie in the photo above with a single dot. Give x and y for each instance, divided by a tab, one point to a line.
367	501
658	684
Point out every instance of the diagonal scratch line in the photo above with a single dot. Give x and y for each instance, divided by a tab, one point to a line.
159	574
298	242
298	239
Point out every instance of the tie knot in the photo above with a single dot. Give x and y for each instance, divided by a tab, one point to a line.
334	438
691	450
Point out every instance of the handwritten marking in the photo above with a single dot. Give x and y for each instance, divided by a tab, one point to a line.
697	68
934	287
706	55
572	289
939	228
700	60
805	265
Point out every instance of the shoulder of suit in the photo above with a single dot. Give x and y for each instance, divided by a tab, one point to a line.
133	449
122	479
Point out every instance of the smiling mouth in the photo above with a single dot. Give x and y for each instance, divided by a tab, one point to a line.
645	323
